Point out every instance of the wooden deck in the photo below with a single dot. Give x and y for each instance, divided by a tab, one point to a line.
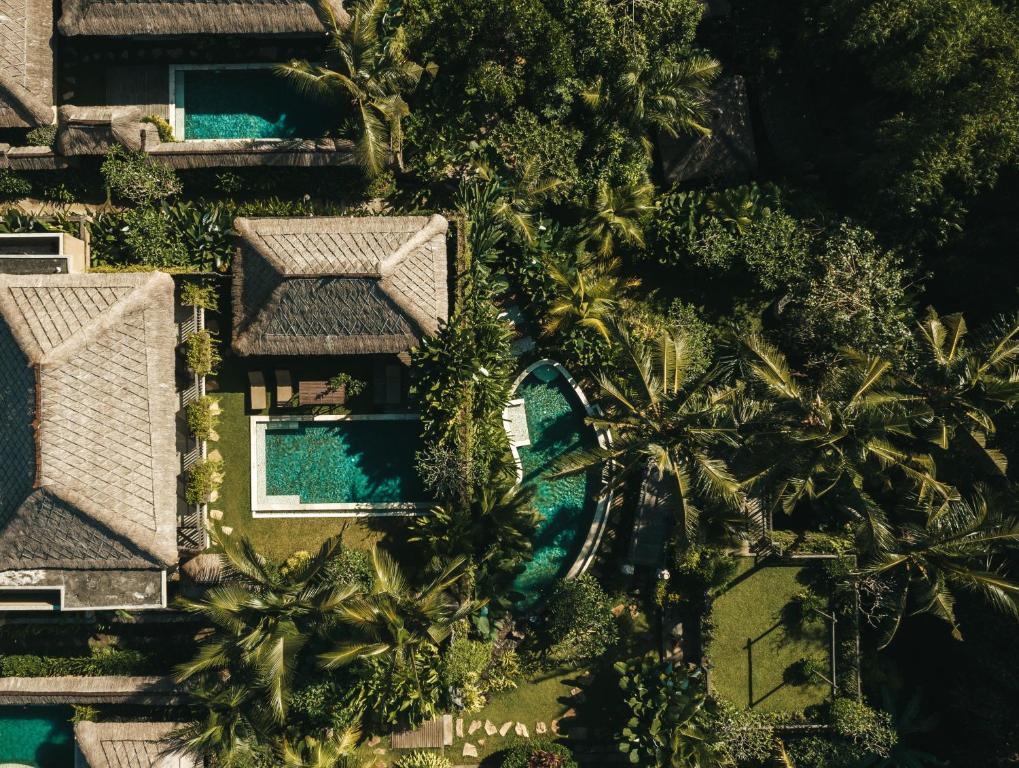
435	734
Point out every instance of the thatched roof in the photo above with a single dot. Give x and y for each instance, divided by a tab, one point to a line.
728	154
26	63
245	153
87	403
336	286
94	130
170	18
206	568
129	745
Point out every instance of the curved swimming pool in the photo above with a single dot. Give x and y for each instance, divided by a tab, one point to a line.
545	421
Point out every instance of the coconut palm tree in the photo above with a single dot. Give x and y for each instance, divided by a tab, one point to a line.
506	201
932	553
658	95
399	624
657	414
587	293
963	387
616	215
851	433
261	618
371	73
494	531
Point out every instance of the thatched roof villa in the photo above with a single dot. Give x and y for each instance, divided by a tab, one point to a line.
338	285
127	745
88	480
117	64
26	63
728	154
172	18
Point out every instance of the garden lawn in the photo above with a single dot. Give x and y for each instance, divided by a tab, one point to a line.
751	607
273	537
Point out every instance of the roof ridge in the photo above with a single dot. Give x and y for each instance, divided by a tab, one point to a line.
24	101
435	225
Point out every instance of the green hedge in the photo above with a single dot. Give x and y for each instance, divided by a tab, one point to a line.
105	661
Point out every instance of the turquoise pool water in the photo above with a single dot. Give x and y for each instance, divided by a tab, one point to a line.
353	461
246	104
37	736
555	422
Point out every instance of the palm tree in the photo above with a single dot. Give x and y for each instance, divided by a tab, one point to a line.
616	214
399	624
261	619
493	199
658	95
932	553
657	415
964	387
224	732
313	752
850	433
494	531
372	71
587	293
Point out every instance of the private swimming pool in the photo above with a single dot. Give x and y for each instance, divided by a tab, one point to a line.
324	466
548	400
244	101
41	737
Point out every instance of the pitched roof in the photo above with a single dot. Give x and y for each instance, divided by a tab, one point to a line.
168	18
128	745
333	285
728	154
87	403
26	63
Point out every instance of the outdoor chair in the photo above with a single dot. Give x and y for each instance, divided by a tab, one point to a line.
284	387
256	391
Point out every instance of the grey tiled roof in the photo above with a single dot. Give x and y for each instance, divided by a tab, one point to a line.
86	387
128	745
335	285
26	63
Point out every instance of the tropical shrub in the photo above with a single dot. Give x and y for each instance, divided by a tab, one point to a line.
747	735
422	759
162	126
205	231
199	295
352	386
203	477
504	672
822	752
84	713
43	136
146	236
870	729
579	624
546	150
539	752
463	666
200	353
132	177
323	704
200	417
671	722
103	661
13	186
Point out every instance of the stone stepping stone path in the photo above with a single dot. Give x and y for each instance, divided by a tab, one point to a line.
459	728
505	727
216	514
470	750
521	730
475	724
540	728
490	728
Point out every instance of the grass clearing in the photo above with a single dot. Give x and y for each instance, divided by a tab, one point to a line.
750	609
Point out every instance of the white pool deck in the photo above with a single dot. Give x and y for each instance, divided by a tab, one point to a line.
265	506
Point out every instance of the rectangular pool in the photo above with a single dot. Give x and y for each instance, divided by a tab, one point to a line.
335	465
41	737
242	101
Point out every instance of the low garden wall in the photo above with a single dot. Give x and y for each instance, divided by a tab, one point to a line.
113	689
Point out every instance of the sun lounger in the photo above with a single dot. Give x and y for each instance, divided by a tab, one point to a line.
284	387
256	391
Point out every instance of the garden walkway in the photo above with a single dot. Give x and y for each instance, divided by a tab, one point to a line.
651	526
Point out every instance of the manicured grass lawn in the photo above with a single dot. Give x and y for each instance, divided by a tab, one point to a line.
751	608
273	537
